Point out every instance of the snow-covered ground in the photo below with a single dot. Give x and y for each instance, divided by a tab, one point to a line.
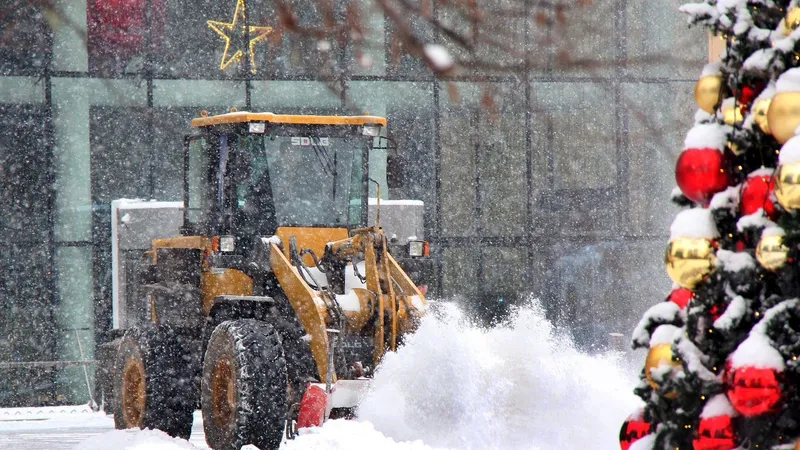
453	385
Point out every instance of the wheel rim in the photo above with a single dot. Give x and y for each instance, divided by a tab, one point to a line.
223	393
133	393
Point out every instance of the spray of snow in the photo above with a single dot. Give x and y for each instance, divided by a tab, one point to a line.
515	386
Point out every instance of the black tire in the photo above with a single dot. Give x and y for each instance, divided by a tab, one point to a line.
154	382
244	386
106	355
300	364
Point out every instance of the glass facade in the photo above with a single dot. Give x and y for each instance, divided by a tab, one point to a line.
546	172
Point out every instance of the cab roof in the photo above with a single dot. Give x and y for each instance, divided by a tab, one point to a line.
246	117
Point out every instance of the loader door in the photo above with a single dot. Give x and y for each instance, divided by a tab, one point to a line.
197	195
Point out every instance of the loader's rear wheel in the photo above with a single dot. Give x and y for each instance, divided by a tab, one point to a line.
244	386
153	386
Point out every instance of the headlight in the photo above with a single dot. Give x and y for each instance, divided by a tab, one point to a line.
257	127
416	248
227	244
371	130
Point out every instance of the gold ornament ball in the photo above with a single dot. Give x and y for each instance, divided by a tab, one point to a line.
760	114
689	260
771	253
707	92
660	354
792	20
787	185
731	115
783	115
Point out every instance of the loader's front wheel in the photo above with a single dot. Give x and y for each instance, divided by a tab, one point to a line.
152	385
244	386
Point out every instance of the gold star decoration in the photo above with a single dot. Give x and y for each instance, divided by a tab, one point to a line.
226	29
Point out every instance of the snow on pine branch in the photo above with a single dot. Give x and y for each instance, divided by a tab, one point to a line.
700	13
717	406
757	350
707	135
734	261
736	310
665	334
694	223
695	360
727	199
655	317
790	152
757	220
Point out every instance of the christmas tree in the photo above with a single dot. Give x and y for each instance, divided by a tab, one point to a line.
722	368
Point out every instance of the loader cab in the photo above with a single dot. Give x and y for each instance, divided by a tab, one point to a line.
249	174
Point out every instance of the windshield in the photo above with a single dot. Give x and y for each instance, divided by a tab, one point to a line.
295	181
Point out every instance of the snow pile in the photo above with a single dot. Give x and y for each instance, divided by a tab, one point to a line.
348	435
518	386
134	439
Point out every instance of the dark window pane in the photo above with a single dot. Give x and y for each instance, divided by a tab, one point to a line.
26	41
120	153
118	33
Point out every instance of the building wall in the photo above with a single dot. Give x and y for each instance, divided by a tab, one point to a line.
552	179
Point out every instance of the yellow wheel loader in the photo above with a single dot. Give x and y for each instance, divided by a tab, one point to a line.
275	302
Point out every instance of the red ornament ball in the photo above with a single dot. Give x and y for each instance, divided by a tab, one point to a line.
701	173
715	433
757	194
681	297
754	391
747	94
633	429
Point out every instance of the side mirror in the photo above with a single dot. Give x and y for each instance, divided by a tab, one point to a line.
396	171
